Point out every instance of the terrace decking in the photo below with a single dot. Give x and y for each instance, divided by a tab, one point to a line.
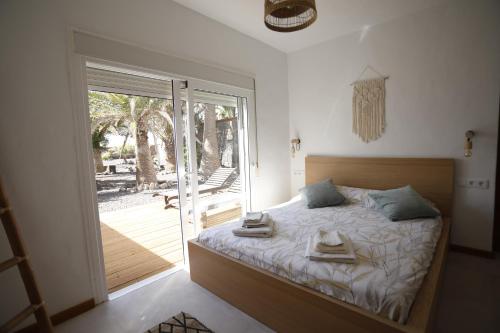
142	241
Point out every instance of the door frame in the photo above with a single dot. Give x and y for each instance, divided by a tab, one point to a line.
86	176
87	190
495	245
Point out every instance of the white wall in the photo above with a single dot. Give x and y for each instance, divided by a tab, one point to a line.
37	143
444	67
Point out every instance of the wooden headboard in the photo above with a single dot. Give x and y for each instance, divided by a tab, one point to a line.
431	177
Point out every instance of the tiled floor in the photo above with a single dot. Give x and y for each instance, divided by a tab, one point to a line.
469	302
141	309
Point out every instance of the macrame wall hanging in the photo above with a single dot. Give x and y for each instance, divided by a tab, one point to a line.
368	107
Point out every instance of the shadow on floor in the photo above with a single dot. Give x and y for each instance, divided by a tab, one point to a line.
133	253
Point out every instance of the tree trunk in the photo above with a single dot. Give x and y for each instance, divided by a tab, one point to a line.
123	147
99	165
210	160
236	151
145	173
169	143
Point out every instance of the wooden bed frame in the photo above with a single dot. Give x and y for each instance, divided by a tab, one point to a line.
289	307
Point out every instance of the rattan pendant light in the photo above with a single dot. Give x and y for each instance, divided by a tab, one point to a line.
289	15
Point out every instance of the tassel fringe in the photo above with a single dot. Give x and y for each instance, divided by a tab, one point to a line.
368	108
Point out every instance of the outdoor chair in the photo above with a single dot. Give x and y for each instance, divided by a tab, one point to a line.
232	195
215	183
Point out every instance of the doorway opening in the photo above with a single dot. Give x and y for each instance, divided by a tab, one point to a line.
170	158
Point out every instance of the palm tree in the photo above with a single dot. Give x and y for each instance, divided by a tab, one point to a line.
210	159
101	115
123	131
162	125
133	112
136	110
99	143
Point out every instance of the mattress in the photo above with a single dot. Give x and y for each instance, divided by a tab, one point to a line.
392	257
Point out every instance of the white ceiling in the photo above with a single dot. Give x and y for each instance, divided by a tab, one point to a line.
335	18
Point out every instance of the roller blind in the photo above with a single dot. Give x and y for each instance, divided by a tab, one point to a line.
117	82
109	81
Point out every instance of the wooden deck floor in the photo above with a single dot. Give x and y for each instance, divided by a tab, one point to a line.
142	241
139	242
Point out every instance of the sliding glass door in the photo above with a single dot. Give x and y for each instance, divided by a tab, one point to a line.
135	142
170	158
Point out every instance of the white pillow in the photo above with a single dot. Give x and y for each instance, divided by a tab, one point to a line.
352	194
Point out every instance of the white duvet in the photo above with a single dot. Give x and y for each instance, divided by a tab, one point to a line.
393	257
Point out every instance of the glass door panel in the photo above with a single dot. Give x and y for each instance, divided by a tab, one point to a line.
134	142
219	157
187	162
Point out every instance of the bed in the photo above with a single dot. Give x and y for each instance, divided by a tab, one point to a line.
287	299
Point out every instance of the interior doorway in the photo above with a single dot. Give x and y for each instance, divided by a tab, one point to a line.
170	158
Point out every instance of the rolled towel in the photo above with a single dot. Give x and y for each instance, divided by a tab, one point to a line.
345	258
264	221
259	232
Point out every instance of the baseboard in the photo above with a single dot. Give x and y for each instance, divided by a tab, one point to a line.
472	251
63	316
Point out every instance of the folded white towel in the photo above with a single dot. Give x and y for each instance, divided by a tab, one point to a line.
262	232
253	216
347	258
340	249
328	238
264	221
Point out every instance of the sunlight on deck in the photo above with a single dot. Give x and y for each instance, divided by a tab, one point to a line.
139	242
145	240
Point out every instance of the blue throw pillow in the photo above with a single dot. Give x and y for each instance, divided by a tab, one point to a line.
402	204
322	194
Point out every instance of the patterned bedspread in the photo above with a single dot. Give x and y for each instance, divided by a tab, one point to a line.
393	257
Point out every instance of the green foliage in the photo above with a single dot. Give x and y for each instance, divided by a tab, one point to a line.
99	141
107	156
112	113
224	112
113	153
120	112
128	151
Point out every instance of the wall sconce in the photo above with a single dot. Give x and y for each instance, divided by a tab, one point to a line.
468	143
295	146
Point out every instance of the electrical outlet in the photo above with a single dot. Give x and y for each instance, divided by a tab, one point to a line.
298	172
483	184
478	183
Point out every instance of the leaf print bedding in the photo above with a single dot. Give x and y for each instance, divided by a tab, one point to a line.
393	257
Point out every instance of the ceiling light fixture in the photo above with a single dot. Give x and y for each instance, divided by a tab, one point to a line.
289	15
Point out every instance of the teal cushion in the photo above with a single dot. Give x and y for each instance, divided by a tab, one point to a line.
322	194
402	204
